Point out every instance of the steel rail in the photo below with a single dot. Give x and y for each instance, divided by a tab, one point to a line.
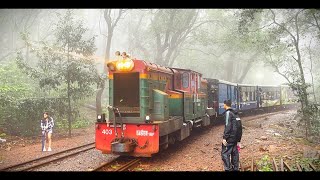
49	156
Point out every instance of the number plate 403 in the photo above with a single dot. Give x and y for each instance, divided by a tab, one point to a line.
107	131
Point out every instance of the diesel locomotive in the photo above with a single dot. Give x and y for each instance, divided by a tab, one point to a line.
152	106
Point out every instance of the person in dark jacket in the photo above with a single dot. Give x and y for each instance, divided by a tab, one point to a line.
231	136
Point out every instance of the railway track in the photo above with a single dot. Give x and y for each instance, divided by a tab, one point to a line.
120	163
247	118
281	167
254	117
35	163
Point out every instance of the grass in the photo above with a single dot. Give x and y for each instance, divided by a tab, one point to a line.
264	164
138	169
304	141
80	123
157	169
1	159
304	162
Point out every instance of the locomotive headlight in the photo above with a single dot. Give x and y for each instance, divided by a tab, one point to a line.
99	118
147	119
125	65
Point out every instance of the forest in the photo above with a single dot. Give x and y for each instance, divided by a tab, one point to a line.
54	59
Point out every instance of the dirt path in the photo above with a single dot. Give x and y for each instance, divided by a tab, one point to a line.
200	152
261	137
18	150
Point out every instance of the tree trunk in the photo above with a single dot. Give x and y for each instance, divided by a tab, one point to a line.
304	95
69	107
229	68
247	68
99	97
69	100
311	73
105	68
108	46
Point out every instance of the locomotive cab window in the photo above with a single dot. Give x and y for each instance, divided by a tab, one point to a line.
126	90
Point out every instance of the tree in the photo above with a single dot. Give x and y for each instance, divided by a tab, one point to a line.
13	22
171	28
64	66
285	29
312	19
223	46
311	69
292	29
138	35
244	48
112	18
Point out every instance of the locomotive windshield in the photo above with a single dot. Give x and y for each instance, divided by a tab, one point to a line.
126	90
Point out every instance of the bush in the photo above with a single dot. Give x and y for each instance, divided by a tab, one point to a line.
22	117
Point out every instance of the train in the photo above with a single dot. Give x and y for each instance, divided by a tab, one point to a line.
152	106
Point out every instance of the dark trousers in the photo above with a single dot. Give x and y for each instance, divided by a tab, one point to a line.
226	152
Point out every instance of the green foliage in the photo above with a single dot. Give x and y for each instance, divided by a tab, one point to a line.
264	164
22	116
316	162
157	169
304	162
81	122
64	69
285	31
247	18
312	112
65	61
13	83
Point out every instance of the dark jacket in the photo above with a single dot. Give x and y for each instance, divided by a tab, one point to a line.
233	127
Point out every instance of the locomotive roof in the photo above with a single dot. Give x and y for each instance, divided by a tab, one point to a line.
268	85
189	70
247	85
157	67
227	82
220	81
252	85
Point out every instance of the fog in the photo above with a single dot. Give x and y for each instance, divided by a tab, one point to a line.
56	59
205	40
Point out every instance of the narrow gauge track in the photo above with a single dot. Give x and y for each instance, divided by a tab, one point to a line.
254	117
121	163
251	117
34	163
282	166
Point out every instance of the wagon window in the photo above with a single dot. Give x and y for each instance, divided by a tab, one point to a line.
235	93
185	80
244	97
